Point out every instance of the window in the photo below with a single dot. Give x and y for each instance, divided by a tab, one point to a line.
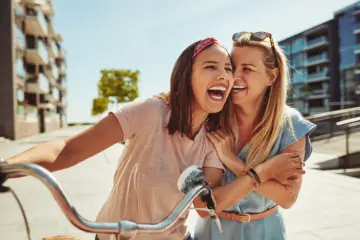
298	76
297	60
298	45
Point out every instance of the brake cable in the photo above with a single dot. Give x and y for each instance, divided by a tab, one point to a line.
5	189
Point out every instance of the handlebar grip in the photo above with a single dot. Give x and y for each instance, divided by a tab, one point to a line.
3	176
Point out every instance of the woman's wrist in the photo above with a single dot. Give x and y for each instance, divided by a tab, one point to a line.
234	164
232	158
263	172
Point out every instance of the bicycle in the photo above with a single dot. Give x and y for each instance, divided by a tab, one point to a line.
191	182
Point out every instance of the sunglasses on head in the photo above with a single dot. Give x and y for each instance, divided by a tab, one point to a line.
258	37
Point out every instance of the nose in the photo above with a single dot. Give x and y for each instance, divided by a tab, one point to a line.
224	75
237	75
228	79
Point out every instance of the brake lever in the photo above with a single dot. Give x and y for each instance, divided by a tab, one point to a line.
211	205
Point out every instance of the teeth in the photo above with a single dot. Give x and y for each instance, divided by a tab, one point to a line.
219	88
216	97
239	87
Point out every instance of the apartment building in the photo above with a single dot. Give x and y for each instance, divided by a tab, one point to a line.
313	61
32	69
323	63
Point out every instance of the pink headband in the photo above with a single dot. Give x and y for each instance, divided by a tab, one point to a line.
203	44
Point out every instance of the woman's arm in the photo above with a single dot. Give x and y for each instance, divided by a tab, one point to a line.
229	194
60	154
285	191
285	194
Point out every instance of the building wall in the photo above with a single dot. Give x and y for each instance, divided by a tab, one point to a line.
7	92
26	128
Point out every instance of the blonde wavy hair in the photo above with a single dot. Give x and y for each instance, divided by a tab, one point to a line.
273	114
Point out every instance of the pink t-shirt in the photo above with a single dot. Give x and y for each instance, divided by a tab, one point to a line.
145	183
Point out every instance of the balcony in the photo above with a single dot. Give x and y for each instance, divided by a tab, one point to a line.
318	76
55	71
356	49
58	38
20	73
60	54
60	87
49	73
317	42
31	1
62	72
31	113
41	85
54	48
19	42
317	59
19	49
55	93
357	28
36	24
53	96
47	7
51	30
318	94
357	90
19	16
37	55
356	12
357	69
50	48
50	99
17	4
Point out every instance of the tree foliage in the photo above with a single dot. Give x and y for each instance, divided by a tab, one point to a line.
115	86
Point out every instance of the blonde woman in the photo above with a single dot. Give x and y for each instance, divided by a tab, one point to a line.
248	199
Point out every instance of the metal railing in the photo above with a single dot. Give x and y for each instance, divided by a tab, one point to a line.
348	124
327	122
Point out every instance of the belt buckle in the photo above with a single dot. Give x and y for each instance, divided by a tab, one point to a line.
248	217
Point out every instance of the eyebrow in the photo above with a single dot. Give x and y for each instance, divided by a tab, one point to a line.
215	62
248	64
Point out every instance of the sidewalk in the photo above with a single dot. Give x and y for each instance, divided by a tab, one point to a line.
327	209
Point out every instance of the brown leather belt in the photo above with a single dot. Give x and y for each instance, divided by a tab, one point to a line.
242	217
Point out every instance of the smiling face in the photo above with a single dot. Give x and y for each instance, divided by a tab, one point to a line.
211	79
251	77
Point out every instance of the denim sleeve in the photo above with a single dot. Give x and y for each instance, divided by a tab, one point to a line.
296	127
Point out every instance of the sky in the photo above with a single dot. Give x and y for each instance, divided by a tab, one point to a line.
149	35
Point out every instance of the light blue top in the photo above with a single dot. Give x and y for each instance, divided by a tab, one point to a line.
272	227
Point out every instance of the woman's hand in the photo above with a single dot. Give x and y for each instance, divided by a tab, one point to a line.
223	143
284	168
165	97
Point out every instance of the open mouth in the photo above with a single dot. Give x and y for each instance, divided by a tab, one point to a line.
217	92
238	88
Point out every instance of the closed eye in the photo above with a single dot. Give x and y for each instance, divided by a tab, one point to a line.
228	69
213	67
246	69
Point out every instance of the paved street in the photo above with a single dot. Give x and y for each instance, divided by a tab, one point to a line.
328	206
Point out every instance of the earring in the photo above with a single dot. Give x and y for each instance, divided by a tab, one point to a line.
269	84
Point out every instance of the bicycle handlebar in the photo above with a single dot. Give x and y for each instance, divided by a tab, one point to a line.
191	186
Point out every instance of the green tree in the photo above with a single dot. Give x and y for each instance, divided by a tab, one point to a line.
115	86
